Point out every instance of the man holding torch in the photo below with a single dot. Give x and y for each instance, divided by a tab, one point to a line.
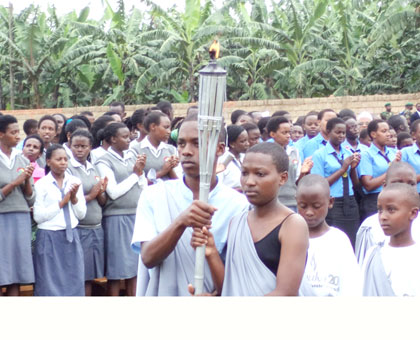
167	211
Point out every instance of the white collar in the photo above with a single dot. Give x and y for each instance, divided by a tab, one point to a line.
145	143
77	164
115	154
10	161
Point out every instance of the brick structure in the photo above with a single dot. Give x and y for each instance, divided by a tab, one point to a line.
297	107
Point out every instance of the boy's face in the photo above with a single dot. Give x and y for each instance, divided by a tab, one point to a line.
296	133
395	212
282	134
188	149
313	205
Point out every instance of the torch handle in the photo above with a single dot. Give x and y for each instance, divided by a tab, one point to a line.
199	270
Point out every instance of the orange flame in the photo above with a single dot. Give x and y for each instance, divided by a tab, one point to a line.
214	50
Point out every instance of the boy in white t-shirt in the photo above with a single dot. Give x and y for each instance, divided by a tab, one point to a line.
331	266
370	232
393	268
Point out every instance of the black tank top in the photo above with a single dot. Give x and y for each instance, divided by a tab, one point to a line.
268	248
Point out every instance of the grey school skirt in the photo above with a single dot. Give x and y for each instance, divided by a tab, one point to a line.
16	265
92	240
59	268
120	260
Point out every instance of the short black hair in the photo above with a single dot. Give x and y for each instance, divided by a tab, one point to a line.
41	149
407	191
87	113
274	123
82	133
49	153
138	117
333	122
396	166
277	153
111	113
280	113
395	122
373	126
97	129
233	132
250	126
414	125
70	126
193	117
153	118
363	134
113	104
322	113
29	124
262	123
111	130
164	106
345	114
5	121
313	180
236	114
402	136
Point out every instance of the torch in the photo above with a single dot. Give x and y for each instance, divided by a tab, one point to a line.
212	93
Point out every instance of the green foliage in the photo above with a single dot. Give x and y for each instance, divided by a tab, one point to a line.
281	49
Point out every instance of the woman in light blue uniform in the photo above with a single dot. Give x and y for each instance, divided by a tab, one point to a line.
338	166
373	166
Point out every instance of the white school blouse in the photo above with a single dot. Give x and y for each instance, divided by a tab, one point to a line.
47	212
114	189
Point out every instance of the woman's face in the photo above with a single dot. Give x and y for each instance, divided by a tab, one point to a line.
58	162
241	143
47	131
60	122
163	130
121	141
11	137
80	147
337	135
260	179
32	149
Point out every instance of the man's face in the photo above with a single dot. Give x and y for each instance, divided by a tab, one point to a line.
388	108
418	107
118	109
188	149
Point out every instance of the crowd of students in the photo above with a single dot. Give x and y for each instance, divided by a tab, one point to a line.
325	206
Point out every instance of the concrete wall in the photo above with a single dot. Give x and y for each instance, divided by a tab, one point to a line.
297	107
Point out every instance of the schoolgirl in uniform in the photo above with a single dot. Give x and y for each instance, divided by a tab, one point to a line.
161	158
59	205
232	160
100	146
373	166
16	195
125	182
47	130
33	148
338	166
267	245
90	228
68	129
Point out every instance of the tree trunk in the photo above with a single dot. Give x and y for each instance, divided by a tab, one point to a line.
36	93
11	73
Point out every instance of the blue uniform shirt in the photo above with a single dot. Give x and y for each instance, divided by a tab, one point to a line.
325	164
312	145
411	155
374	164
359	148
300	144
